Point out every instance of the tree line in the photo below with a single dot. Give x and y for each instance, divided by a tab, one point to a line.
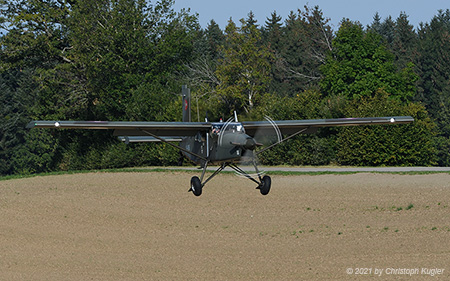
127	59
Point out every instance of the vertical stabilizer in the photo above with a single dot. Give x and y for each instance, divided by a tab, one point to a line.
186	93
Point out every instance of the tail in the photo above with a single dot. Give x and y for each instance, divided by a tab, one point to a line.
186	93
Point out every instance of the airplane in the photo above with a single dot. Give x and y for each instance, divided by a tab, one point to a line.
224	144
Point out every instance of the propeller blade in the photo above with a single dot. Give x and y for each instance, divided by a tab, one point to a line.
266	136
249	143
222	131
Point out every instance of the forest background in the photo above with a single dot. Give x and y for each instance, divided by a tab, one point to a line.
123	60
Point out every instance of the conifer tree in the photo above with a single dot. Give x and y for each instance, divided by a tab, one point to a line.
305	42
434	72
271	32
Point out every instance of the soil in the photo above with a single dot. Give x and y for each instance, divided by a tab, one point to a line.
146	226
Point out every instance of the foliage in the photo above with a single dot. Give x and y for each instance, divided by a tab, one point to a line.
36	33
314	149
117	155
434	69
127	59
244	70
360	65
95	60
300	48
399	36
394	145
302	150
38	154
14	114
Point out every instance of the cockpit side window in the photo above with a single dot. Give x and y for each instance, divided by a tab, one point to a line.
216	128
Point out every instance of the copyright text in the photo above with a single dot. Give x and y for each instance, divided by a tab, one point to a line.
395	271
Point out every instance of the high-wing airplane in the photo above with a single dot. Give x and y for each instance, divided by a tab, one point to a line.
218	143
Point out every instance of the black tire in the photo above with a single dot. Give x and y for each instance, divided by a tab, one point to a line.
265	185
196	186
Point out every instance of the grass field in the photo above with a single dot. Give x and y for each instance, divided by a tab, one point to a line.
146	226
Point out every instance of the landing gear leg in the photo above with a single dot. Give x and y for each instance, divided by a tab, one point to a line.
197	184
264	183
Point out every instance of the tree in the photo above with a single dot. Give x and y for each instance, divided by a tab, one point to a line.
399	36
16	88
360	65
306	39
201	70
34	43
36	34
376	25
404	46
244	71
97	60
251	21
393	145
117	46
215	38
434	72
272	31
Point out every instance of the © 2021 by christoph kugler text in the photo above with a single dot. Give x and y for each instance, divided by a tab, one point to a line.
395	271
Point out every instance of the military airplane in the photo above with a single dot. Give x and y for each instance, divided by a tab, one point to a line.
225	144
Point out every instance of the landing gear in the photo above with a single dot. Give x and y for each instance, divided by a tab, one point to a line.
196	186
264	183
264	186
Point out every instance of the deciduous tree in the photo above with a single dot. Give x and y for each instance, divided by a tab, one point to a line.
360	65
244	70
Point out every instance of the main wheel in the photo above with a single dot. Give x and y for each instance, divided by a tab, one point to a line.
196	186
264	188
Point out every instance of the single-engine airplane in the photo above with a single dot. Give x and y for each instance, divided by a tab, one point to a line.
218	143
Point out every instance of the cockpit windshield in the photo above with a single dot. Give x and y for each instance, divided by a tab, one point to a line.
228	127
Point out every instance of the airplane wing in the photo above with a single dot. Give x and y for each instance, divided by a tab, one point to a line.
287	127
168	129
178	130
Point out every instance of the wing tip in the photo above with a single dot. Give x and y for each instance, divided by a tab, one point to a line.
31	125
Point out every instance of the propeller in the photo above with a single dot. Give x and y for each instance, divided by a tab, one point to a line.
269	133
246	142
222	131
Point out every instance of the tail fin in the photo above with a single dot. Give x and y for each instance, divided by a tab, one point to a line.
186	93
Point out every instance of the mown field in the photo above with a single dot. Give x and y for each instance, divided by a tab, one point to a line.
146	226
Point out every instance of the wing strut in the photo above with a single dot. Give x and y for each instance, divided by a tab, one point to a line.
174	145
